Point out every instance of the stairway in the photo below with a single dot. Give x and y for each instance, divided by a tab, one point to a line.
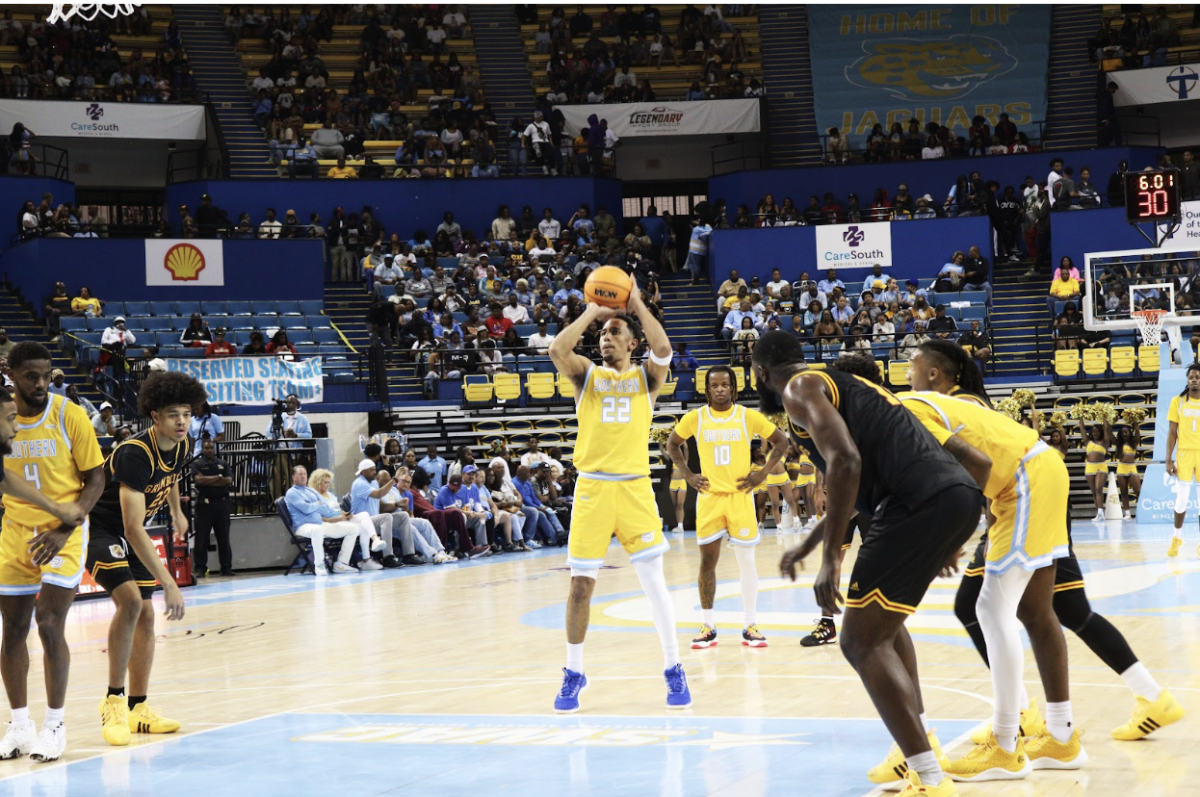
219	74
1018	313
18	319
791	116
346	303
690	315
502	66
1071	101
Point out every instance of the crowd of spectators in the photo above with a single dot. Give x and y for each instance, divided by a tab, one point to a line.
585	68
912	142
1140	42
45	219
77	59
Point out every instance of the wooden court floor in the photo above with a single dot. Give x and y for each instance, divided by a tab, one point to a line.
439	681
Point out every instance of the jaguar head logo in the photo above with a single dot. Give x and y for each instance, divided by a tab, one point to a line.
923	70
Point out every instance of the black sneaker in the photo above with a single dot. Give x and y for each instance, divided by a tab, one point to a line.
198	573
390	562
228	571
413	559
824	634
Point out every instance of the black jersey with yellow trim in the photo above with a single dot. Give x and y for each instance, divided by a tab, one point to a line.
140	464
900	458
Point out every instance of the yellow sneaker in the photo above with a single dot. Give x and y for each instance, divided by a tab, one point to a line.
917	789
1148	717
144	718
1032	724
894	767
114	720
1046	752
1176	544
990	761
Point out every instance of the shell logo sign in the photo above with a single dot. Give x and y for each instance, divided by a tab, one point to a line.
185	263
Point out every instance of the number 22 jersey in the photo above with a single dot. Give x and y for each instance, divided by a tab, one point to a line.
614	411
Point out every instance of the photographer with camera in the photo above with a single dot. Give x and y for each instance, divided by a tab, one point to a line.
287	423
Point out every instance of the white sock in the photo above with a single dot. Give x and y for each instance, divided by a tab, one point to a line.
745	559
997	612
1141	682
1024	697
708	618
926	765
54	717
925	721
1058	720
1178	534
575	657
662	610
20	714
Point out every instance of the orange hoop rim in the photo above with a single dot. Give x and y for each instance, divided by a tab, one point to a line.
1149	315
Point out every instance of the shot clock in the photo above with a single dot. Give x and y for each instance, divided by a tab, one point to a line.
1152	196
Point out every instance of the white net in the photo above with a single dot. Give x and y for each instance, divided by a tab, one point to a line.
1150	325
89	11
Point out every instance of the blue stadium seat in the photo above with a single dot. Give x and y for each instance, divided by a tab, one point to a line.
158	323
298	336
287	307
290	322
335	350
327	336
307	349
162	339
1060	306
238	307
189	351
525	330
973	313
319	322
312	306
95	324
854	289
974	297
133	323
162	308
90	338
213	308
135	308
71	323
186	307
266	320
220	320
459	316
245	322
262	307
448	263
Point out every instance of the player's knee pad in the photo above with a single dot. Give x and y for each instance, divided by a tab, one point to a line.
1183	491
578	572
1073	609
965	600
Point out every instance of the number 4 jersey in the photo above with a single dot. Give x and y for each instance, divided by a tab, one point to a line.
614	412
51	452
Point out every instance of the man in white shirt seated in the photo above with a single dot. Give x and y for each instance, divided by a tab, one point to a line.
514	311
549	226
540	341
315	519
387	277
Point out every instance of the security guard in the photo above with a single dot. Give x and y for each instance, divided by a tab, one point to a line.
212	477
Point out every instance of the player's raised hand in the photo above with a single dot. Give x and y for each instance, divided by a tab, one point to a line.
635	297
598	312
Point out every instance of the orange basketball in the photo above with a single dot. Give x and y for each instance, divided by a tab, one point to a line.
608	286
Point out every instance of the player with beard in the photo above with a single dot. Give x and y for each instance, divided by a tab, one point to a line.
54	477
924	506
142	476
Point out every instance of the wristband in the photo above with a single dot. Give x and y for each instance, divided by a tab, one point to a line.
662	361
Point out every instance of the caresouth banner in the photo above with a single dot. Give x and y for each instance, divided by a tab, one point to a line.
254	380
698	118
946	64
854	245
96	120
1152	86
195	262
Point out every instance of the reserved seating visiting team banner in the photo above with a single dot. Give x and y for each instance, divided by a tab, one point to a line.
946	64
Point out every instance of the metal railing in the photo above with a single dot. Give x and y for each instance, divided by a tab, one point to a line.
1139	130
261	470
46	160
733	156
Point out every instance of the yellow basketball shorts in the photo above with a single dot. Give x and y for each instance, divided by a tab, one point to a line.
20	576
603	508
1187	464
1092	468
1031	515
678	485
1127	469
726	514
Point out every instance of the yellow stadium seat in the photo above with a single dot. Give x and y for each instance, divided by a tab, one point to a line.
477	390
507	387
882	370
1065	402
1148	359
701	373
1131	399
1066	362
541	388
488	439
898	373
1095	362
547	423
520	439
566	389
663	419
668	388
1123	360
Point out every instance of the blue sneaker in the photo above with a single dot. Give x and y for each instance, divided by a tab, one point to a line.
678	695
574	683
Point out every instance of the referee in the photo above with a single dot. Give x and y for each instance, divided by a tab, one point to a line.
212	479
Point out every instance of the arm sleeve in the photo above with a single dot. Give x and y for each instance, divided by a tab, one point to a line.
686	427
85	449
131	466
438	503
304	429
757	424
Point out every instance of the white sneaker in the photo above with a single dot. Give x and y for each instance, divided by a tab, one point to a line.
342	567
1099	518
369	565
17	741
377	545
50	744
534	544
1127	515
440	557
678	529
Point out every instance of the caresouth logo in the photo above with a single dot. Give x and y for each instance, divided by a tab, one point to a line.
95	112
657	120
185	262
854	236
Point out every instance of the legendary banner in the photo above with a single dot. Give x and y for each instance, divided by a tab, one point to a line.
699	118
946	64
181	263
254	380
130	120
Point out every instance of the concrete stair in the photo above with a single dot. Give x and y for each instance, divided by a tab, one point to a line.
18	319
1018	315
1071	104
502	66
347	303
690	315
791	116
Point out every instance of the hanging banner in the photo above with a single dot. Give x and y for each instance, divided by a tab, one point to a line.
182	263
128	120
699	118
1152	86
254	380
854	245
946	64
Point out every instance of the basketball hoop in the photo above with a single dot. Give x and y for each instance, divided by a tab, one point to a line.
89	11
1150	324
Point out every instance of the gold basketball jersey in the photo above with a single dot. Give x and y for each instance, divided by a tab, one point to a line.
614	413
723	442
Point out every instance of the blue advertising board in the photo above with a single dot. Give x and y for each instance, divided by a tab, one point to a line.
946	64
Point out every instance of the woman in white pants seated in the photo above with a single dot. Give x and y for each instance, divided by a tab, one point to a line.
425	538
364	529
